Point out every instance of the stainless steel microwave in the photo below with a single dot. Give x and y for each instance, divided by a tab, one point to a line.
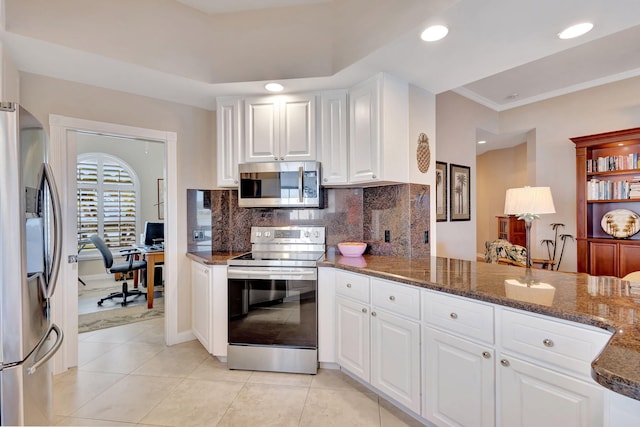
280	185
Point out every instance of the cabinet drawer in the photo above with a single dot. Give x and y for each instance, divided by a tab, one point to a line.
396	298
458	315
352	285
567	346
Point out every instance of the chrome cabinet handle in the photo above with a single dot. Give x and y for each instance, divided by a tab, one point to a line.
453	316
364	310
392	298
348	285
325	180
374	314
300	183
505	363
275	158
547	342
486	355
373	176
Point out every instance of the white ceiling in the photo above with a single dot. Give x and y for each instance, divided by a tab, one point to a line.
500	53
228	6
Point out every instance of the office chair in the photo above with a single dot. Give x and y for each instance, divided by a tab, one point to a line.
123	267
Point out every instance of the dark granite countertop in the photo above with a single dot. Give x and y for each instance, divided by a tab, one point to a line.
603	302
212	258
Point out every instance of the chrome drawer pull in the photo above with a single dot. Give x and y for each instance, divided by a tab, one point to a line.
364	310
505	362
547	342
486	355
453	315
348	285
392	298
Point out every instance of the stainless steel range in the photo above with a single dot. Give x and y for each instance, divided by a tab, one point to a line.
273	320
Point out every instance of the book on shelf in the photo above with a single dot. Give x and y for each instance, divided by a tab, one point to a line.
609	190
614	163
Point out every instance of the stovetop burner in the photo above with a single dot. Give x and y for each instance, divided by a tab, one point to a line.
283	246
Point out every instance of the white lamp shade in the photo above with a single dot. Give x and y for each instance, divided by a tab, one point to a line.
529	200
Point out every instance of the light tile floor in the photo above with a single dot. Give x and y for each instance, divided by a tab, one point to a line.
127	376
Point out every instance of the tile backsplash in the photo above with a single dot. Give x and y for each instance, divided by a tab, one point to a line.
399	212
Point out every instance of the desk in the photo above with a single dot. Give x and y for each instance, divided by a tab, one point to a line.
153	258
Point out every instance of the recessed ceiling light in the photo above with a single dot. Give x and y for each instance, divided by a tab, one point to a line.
274	87
575	30
482	141
513	95
434	33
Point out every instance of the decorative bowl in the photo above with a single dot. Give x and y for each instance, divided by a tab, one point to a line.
352	248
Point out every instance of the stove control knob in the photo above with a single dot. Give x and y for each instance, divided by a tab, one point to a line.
316	233
267	234
307	234
258	233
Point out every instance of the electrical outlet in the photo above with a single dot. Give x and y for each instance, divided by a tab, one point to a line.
198	234
426	237
387	236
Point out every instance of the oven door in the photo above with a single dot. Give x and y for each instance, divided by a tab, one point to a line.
272	306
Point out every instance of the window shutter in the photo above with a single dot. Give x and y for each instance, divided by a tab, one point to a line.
107	201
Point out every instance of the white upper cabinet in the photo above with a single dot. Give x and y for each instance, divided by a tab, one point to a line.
379	130
280	128
333	137
229	132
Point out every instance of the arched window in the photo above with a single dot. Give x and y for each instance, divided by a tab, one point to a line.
108	205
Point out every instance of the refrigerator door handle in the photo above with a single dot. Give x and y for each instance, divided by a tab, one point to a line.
47	178
42	360
49	354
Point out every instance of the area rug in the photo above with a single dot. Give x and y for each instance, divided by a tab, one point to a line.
121	316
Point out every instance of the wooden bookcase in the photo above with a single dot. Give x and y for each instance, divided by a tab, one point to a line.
599	253
512	229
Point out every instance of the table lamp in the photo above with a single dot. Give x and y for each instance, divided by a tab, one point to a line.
528	203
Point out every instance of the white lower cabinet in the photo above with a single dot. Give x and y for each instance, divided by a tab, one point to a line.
531	395
201	303
353	337
373	342
395	358
209	306
459	381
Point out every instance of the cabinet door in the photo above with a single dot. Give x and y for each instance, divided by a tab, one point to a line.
458	380
333	137
629	258
326	315
395	358
200	310
364	131
603	259
261	130
352	337
229	127
535	396
219	310
298	128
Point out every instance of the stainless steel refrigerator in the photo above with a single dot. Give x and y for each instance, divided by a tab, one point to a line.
30	245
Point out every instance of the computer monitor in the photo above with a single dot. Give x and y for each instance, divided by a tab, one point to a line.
153	233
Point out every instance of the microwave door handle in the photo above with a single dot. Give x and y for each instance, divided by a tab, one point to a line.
300	188
48	180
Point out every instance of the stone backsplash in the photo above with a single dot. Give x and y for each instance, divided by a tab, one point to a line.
350	214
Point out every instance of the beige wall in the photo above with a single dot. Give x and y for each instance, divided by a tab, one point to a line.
550	153
457	120
195	141
496	170
9	78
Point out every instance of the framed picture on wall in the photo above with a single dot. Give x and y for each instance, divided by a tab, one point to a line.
160	198
460	192
441	191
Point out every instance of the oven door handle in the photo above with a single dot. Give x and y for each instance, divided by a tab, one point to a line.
256	272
